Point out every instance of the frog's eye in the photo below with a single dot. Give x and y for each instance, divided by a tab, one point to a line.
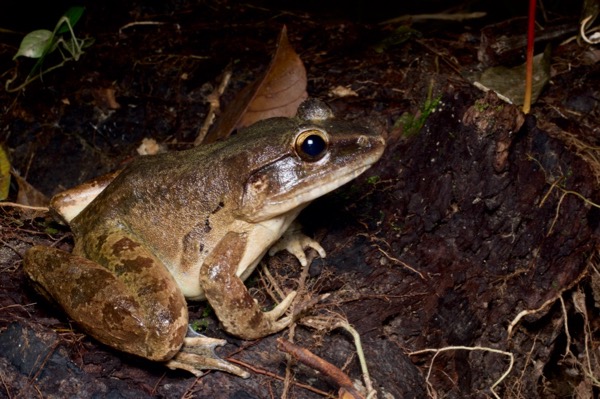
311	145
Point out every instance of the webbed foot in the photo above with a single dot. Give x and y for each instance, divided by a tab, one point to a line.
198	353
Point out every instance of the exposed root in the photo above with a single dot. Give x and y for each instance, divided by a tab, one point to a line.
430	389
589	366
587	152
587	359
335	321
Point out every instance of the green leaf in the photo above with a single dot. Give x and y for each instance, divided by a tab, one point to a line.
4	174
35	44
73	14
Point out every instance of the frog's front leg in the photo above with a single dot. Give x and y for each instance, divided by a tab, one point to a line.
130	302
229	297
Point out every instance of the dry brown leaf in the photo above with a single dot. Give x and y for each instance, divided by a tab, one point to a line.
105	98
27	194
278	92
510	82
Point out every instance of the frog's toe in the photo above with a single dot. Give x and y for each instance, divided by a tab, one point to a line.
281	308
198	353
295	242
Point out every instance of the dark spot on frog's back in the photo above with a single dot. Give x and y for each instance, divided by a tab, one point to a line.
218	208
84	285
78	296
99	242
136	265
152	285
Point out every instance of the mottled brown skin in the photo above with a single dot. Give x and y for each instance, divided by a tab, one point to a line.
147	318
194	224
235	308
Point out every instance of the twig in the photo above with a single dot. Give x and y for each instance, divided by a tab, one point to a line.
337	376
138	23
580	196
34	208
439	16
556	184
289	378
214	105
276	376
396	260
338	321
529	57
7	245
552	186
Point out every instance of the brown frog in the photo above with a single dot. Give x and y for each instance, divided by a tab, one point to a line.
194	224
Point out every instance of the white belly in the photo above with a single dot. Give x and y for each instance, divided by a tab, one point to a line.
261	236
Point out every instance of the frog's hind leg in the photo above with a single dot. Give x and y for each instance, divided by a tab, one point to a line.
132	303
146	317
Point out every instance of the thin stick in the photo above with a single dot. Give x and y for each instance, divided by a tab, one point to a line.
214	106
529	60
34	208
276	376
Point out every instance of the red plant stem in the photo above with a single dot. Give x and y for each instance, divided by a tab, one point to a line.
529	59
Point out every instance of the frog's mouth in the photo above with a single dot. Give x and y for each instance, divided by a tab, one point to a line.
325	187
288	184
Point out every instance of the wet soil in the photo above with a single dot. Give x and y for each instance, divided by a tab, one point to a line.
476	234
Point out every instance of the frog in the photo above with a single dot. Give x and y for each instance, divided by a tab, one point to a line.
193	225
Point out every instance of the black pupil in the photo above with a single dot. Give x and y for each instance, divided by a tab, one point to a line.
314	145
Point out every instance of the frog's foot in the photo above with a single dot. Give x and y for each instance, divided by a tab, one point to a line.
275	314
251	322
198	353
295	242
